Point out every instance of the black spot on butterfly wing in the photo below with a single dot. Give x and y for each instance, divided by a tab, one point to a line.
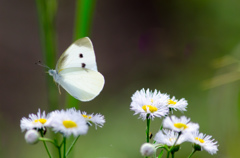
81	55
83	65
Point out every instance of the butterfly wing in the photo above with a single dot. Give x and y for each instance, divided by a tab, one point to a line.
78	54
83	84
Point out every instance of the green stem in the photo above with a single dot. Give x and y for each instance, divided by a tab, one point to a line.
170	150
70	148
46	11
167	154
45	145
61	143
48	140
46	16
192	153
58	147
160	154
64	147
179	134
83	18
59	152
148	127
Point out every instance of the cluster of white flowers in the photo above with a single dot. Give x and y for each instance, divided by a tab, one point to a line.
187	132
67	122
150	104
155	104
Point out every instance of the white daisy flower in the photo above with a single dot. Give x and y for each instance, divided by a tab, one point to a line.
68	122
181	124
168	137
149	103
34	121
177	104
205	142
97	119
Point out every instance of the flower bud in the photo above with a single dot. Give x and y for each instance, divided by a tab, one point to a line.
32	136
197	147
175	148
147	149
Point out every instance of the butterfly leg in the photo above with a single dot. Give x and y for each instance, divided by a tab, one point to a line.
59	90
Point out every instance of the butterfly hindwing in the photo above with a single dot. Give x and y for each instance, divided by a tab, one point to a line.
83	84
79	54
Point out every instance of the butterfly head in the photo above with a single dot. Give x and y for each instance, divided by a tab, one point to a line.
54	74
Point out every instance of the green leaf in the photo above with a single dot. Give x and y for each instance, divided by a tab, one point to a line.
161	154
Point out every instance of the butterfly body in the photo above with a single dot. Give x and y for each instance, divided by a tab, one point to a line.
54	74
76	71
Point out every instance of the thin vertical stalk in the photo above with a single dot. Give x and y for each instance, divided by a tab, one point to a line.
45	145
71	147
148	127
64	147
179	134
46	10
192	153
83	20
167	154
48	152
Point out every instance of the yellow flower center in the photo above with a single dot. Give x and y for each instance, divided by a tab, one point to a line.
41	120
199	139
87	117
150	107
171	102
180	125
172	139
69	124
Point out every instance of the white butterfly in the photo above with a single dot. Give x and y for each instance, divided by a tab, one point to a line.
76	71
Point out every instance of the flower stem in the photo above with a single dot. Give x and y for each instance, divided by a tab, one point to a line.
59	152
64	147
48	140
47	10
192	153
45	145
179	134
70	148
170	150
148	127
168	154
83	17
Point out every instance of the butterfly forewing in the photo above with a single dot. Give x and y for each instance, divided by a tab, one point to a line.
83	84
79	54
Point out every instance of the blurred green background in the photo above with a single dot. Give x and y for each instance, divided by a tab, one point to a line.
171	46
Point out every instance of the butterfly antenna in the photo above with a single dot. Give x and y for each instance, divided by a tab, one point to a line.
40	64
